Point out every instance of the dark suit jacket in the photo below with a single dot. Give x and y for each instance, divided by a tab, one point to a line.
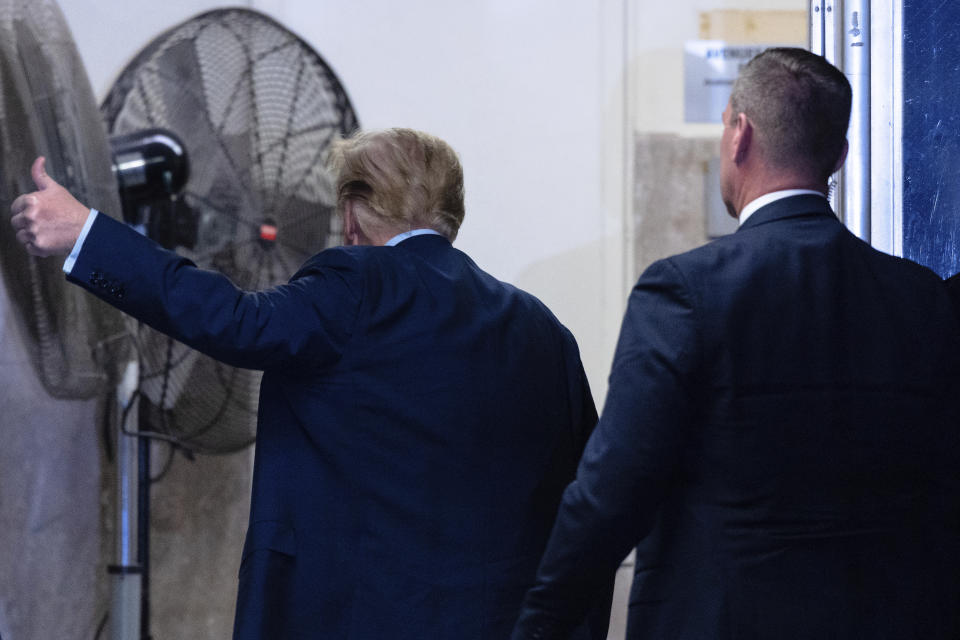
779	436
953	286
418	422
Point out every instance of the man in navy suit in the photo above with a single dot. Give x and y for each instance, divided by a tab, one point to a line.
418	419
779	440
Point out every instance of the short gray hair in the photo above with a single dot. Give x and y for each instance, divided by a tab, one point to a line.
799	105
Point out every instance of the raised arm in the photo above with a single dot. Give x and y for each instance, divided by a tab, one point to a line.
305	322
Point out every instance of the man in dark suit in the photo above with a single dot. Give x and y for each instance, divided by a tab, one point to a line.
953	286
778	440
418	419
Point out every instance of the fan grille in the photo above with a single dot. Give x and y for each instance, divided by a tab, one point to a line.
48	109
257	109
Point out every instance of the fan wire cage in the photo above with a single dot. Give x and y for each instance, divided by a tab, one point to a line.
257	110
47	108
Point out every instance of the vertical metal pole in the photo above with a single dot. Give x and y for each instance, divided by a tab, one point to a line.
126	573
896	16
816	26
832	46
855	176
886	110
143	534
831	9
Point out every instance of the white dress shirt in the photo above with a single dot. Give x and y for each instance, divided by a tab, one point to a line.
773	196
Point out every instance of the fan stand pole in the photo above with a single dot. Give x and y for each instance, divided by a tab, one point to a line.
126	573
143	537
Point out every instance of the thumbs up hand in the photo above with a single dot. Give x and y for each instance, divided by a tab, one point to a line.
48	220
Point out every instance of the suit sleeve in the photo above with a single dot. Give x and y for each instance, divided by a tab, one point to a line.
630	460
305	322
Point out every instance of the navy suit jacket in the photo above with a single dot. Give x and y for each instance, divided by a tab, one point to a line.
779	441
418	422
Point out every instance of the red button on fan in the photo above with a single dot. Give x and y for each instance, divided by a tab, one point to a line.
268	232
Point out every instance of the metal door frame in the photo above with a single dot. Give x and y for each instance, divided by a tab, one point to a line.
864	38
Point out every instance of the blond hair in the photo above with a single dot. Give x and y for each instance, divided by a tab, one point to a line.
402	179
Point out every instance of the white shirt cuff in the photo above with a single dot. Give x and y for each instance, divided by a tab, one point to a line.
72	258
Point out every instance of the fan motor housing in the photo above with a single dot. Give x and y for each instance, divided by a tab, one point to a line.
149	165
152	167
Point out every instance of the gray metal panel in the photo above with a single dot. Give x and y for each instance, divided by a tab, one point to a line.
855	62
815	31
831	50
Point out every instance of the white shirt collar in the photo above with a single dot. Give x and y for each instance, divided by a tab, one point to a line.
400	237
773	196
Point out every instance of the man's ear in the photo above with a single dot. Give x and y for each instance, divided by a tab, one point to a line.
351	230
742	138
353	233
843	156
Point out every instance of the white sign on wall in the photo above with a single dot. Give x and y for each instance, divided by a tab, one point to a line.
709	69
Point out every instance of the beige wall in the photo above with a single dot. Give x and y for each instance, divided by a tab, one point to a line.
660	31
